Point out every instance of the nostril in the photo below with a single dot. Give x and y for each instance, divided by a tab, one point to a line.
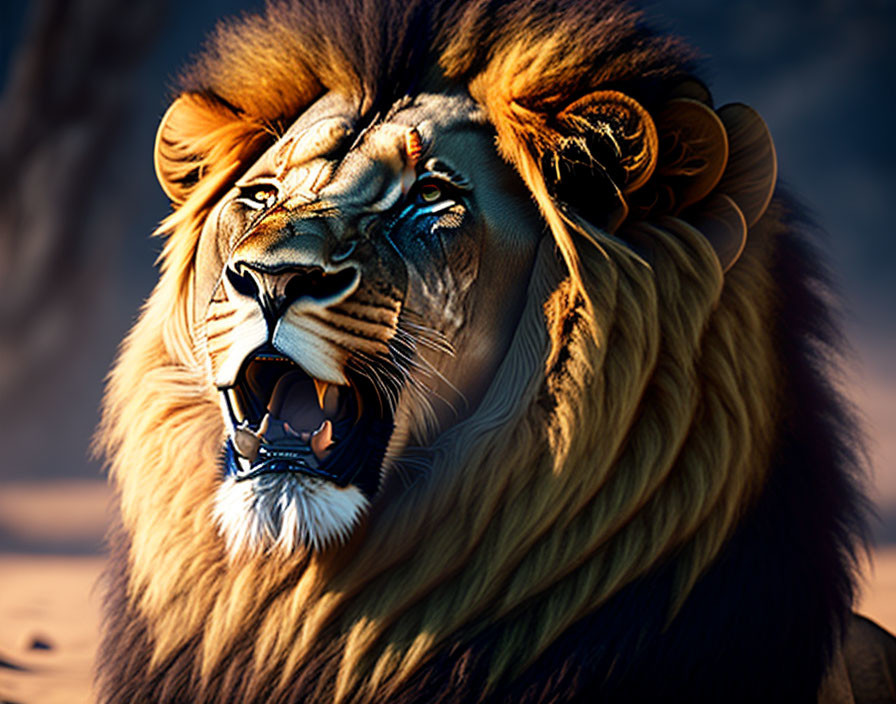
275	289
243	283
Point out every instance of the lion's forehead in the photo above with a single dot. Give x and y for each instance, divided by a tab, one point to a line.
331	155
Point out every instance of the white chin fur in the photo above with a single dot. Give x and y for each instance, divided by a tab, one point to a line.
285	512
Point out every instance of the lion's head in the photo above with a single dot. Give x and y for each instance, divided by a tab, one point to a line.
353	294
459	328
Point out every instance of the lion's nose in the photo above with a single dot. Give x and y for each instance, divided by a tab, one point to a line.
276	289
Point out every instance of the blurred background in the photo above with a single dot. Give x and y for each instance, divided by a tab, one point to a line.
83	84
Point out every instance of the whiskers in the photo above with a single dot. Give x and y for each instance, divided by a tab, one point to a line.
404	370
424	335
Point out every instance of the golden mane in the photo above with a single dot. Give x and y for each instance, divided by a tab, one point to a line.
630	424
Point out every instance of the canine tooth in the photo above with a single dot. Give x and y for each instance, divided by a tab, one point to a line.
263	426
322	439
246	443
321	388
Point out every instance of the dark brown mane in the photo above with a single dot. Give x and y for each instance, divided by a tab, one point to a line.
382	51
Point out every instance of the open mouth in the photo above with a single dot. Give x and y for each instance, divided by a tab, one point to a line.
283	421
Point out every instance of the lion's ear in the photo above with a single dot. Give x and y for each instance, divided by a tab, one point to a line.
609	159
752	168
201	134
178	154
604	146
716	170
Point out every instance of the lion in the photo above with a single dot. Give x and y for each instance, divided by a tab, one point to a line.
487	363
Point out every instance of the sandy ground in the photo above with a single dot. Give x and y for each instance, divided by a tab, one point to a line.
49	616
49	603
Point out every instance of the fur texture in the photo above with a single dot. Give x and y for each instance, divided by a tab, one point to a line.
654	499
314	513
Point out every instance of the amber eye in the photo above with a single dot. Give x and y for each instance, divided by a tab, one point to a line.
430	192
260	196
264	194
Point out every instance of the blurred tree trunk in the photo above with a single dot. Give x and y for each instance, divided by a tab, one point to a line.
70	83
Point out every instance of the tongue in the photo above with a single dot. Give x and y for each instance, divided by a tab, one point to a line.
294	400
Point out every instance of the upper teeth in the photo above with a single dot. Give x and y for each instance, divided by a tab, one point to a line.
321	388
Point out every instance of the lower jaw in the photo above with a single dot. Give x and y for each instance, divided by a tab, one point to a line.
272	461
285	512
355	461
